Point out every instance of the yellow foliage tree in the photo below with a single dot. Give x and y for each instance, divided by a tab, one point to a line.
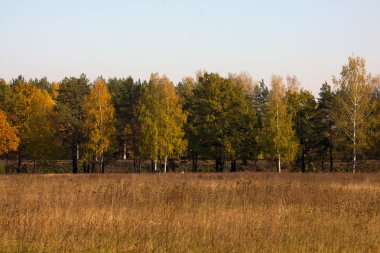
99	123
8	135
41	134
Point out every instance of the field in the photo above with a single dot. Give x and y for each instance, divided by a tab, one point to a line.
242	212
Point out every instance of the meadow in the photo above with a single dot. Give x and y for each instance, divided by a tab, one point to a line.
175	212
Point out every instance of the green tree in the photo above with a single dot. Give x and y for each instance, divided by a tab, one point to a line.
374	120
353	104
302	107
125	96
324	126
282	141
222	118
161	119
261	105
71	110
185	91
20	113
243	120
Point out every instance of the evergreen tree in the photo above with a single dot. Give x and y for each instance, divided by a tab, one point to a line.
324	126
302	106
71	110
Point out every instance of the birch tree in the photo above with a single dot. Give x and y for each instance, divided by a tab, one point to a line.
281	134
100	121
353	101
162	121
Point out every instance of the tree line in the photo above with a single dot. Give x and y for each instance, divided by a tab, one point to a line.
230	119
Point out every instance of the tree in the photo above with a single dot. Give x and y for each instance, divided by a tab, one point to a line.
207	118
99	121
282	140
71	111
161	119
20	113
354	96
301	106
222	119
125	96
185	90
243	120
374	120
42	137
261	106
8	135
324	125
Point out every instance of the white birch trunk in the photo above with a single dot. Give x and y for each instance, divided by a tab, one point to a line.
125	151
165	163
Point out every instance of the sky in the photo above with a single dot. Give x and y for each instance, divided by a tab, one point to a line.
310	39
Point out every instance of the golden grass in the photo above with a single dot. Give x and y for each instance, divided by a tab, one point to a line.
243	212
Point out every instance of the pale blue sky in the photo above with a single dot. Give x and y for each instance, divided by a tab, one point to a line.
311	39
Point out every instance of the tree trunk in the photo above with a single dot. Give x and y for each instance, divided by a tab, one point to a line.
279	163
18	170
195	163
354	163
6	164
154	166
125	151
101	164
219	164
84	166
323	163
165	163
303	165
331	159
134	164
245	161
233	165
74	157
172	164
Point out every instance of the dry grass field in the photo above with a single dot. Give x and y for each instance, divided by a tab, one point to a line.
243	212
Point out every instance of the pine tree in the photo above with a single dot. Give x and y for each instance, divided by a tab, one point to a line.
71	113
302	106
324	127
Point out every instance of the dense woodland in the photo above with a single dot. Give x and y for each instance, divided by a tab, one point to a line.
231	120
